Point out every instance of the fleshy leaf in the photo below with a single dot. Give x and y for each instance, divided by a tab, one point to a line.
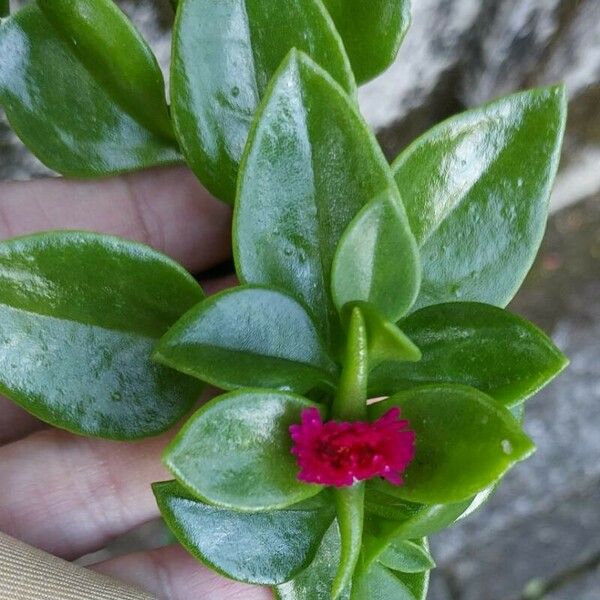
112	50
224	54
249	337
407	556
465	442
476	189
79	316
372	263
60	110
376	582
474	344
235	452
395	518
380	582
261	548
311	163
372	32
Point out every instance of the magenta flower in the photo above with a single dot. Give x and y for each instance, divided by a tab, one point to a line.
341	453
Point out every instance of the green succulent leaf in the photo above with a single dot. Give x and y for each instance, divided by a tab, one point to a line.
473	344
476	189
371	263
79	316
372	32
310	165
316	581
407	556
249	337
375	583
224	55
465	441
235	452
379	583
394	518
106	43
263	548
62	112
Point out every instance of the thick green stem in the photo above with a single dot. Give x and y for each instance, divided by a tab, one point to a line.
4	8
351	404
351	400
349	503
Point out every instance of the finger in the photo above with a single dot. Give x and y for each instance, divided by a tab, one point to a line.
172	574
15	423
165	208
70	495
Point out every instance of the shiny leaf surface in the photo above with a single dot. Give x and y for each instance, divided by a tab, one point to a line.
115	54
224	54
316	581
394	518
407	557
476	189
380	583
61	112
372	32
371	263
79	316
235	452
465	442
310	165
474	344
249	337
262	548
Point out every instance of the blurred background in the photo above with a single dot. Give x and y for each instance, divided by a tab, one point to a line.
539	536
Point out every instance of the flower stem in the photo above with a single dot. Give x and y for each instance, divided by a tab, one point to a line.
351	400
4	8
351	404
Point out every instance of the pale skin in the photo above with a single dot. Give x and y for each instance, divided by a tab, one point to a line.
70	495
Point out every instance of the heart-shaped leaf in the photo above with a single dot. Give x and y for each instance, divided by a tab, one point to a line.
372	32
474	344
235	452
476	190
407	556
60	109
310	164
249	337
372	264
79	316
465	441
224	55
116	55
262	548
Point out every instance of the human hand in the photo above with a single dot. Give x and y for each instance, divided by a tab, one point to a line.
71	495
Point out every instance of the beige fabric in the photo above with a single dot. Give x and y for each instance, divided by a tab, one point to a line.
30	574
